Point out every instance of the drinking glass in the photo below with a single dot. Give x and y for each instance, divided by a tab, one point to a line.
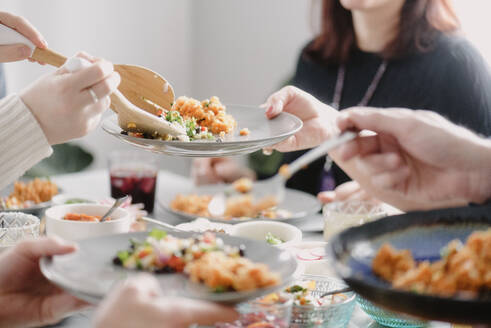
134	174
341	215
15	226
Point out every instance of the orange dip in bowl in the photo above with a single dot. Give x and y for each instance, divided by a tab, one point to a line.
83	217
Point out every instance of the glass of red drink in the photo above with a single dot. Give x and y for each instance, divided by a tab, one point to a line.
133	174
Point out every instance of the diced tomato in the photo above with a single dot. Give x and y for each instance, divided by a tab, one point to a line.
159	112
203	129
143	253
208	237
177	263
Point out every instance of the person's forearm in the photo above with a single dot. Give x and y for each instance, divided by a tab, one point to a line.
22	141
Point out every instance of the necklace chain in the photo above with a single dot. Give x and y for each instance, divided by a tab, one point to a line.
338	89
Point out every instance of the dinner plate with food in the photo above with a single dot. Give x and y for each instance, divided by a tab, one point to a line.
206	129
206	266
31	197
434	265
242	203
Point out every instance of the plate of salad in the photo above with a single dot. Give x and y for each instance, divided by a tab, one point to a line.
211	129
202	266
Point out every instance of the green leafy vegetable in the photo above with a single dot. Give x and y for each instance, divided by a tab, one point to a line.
158	234
219	289
123	255
174	116
273	240
295	289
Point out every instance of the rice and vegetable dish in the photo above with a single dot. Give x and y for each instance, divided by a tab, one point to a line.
207	119
463	269
204	258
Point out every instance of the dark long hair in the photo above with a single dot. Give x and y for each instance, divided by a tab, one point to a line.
420	22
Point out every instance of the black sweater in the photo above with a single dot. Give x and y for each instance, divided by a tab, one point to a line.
452	80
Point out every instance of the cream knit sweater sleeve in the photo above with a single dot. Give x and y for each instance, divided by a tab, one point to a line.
22	141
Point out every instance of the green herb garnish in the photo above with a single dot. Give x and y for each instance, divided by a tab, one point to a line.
123	256
219	289
173	116
295	289
273	240
157	234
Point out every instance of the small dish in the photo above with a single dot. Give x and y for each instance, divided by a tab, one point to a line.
76	230
258	230
15	226
336	315
273	310
67	199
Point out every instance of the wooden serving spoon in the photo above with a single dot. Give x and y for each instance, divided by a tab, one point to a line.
145	92
142	87
130	117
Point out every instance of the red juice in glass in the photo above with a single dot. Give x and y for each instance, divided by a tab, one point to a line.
134	175
140	185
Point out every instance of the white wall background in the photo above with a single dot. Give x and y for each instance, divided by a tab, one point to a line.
238	50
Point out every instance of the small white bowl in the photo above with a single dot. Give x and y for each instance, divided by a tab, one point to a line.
76	230
61	199
257	230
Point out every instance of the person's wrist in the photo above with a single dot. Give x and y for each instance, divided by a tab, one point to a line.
480	178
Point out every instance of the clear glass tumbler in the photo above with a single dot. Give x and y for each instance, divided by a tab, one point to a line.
341	215
134	174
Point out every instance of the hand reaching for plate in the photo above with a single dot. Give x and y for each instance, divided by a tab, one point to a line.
350	190
319	120
138	302
27	298
219	170
417	159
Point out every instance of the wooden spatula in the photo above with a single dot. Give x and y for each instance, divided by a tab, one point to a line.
142	87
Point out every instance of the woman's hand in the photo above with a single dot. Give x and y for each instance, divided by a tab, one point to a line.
16	52
218	170
417	159
63	104
138	302
319	120
27	298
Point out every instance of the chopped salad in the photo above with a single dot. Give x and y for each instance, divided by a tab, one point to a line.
205	120
164	253
204	258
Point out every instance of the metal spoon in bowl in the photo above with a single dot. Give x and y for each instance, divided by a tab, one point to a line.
337	291
117	204
275	186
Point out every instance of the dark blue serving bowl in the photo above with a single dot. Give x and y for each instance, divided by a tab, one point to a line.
424	233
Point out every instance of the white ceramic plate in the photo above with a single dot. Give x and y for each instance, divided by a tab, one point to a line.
263	133
300	204
89	273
